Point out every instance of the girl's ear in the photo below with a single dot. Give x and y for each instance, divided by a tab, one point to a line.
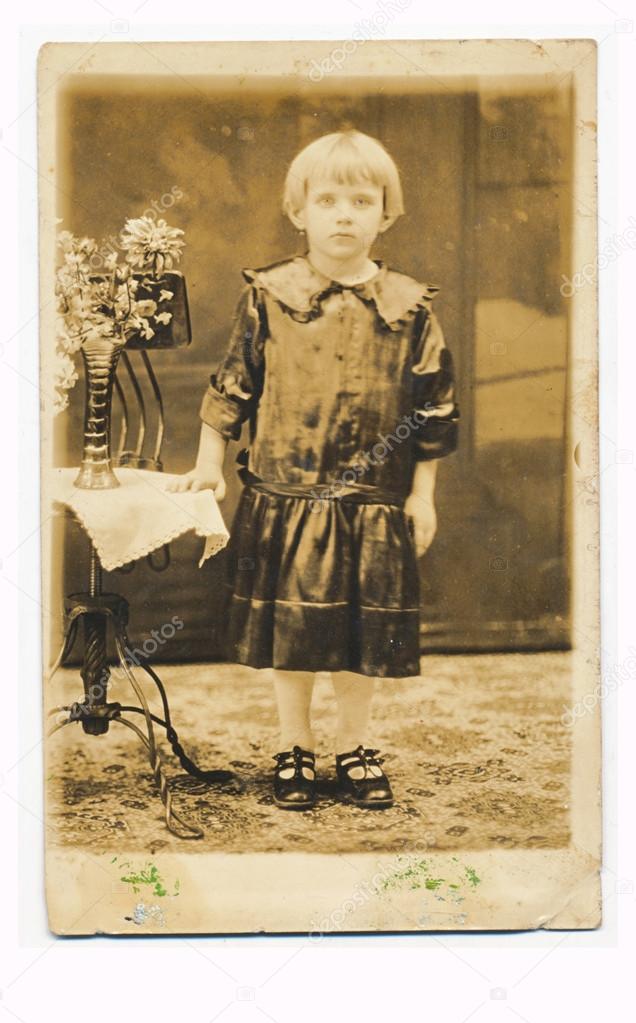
297	218
387	221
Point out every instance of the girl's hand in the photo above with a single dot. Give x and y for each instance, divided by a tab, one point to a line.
210	478
421	511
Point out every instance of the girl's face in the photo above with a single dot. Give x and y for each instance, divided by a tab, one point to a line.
342	221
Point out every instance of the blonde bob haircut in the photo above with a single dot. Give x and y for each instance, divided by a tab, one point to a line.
347	158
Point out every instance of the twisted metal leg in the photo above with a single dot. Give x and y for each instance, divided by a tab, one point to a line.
188	830
95	711
67	645
151	746
187	764
57	727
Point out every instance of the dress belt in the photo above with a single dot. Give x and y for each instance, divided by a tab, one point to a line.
348	493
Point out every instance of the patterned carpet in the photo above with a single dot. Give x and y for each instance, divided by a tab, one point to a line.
475	749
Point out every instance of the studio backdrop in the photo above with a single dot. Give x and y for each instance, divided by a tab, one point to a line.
487	181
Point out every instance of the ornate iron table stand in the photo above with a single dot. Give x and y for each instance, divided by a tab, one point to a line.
96	609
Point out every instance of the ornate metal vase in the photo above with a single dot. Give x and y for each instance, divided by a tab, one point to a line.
100	364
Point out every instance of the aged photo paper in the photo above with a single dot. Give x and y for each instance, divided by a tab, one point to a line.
179	294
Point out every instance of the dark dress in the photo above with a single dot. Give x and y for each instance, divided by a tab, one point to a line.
345	387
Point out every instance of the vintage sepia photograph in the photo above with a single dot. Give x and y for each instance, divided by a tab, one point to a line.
319	484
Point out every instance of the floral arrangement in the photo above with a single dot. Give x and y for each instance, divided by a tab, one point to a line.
107	305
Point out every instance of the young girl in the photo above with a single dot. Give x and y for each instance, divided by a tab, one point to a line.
340	366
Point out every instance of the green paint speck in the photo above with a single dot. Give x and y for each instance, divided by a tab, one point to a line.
149	876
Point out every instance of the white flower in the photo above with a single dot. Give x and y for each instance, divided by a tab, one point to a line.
87	246
65	375
104	305
146	307
68	341
110	261
65	240
151	245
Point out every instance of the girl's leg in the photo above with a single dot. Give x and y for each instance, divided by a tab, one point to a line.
353	698
293	690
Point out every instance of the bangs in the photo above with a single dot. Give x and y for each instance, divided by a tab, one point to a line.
346	166
344	158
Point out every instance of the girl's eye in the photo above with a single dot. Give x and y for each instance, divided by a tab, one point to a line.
362	202
326	200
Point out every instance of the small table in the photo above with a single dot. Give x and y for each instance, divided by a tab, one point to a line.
123	525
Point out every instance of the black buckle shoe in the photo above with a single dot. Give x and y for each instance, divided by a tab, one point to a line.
372	792
297	792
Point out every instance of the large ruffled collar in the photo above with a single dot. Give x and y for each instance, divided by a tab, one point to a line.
300	289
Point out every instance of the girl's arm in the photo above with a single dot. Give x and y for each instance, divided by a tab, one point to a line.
420	504
423	485
208	470
231	397
436	435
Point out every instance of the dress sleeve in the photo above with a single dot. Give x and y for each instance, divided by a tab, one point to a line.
435	407
235	389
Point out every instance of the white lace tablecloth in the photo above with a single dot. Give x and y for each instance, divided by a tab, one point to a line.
140	515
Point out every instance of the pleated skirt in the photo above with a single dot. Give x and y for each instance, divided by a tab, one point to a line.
327	586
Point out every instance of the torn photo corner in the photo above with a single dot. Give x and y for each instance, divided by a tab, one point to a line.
206	613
